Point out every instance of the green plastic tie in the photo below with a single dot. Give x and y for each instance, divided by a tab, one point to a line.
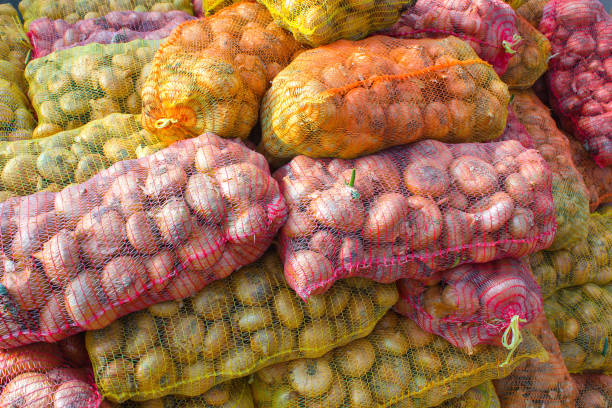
351	183
514	330
508	45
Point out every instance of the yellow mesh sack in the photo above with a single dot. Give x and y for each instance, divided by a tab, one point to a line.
348	99
532	10
72	156
581	319
74	10
531	58
210	74
206	7
569	191
72	87
481	396
230	329
588	260
595	390
397	365
320	22
16	118
14	47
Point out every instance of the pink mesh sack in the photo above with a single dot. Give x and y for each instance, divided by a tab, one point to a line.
409	211
473	304
138	233
580	74
48	35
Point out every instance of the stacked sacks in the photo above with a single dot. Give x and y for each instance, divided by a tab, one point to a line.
598	180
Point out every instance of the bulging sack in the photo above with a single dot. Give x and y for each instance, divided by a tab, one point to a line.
580	74
230	329
410	211
481	396
16	118
210	74
598	180
349	99
397	365
530	10
138	233
595	390
14	48
47	35
72	87
473	304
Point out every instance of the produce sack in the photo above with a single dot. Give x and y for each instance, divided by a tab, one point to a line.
210	74
74	10
580	317
539	384
580	74
72	156
473	304
588	260
320	22
16	118
530	10
349	98
230	329
138	233
72	87
410	211
598	180
595	390
14	47
570	194
203	8
397	365
48	35
481	396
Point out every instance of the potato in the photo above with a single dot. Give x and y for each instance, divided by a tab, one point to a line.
154	369
123	278
251	288
253	318
185	337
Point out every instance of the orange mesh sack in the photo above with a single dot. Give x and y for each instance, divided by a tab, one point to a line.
595	390
138	233
588	260
230	329
481	396
349	98
210	74
581	319
72	156
569	191
397	365
72	87
539	384
410	211
598	180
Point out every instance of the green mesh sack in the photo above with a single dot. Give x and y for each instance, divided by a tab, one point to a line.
397	365
72	87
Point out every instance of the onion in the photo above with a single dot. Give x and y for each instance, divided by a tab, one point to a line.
29	390
74	394
423	225
474	176
164	181
385	217
203	196
493	212
60	257
174	221
142	233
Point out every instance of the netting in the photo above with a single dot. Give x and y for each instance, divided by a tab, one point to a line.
481	396
397	365
203	8
349	98
580	76
539	384
595	391
588	260
473	304
570	194
531	10
72	156
580	317
48	35
410	211
72	87
74	10
598	180
140	232
230	329
210	74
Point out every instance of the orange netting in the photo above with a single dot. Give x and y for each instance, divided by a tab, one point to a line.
595	390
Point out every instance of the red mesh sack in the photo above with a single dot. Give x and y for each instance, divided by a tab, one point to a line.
47	35
595	390
140	232
536	383
412	210
473	304
580	75
598	180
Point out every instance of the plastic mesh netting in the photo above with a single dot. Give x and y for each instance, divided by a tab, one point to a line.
598	180
595	390
206	7
481	396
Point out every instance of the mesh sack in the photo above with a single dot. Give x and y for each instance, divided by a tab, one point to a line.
581	319
488	26
473	304
598	180
595	390
588	260
72	87
580	75
210	74
397	365
72	156
230	329
377	217
74	10
532	10
349	98
14	48
481	396
138	233
539	384
203	8
530	60
570	194
48	35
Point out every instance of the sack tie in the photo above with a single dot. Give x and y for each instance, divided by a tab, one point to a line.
165	122
508	45
515	331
